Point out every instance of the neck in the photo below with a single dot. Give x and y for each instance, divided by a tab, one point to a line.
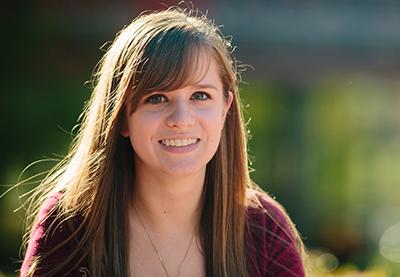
169	204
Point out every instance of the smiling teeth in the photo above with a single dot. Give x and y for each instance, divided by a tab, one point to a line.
178	142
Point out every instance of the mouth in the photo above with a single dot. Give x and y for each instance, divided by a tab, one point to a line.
179	142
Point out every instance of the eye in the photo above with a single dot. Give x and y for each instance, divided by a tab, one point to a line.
200	95
155	99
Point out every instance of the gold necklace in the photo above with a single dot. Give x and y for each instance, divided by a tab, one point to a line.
160	259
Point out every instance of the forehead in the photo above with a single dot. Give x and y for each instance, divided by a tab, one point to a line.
194	66
170	70
207	79
206	75
201	68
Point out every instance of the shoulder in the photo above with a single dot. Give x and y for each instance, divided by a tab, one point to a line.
271	237
49	241
260	205
44	219
47	212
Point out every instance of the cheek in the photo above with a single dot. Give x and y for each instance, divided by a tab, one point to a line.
215	116
141	128
213	122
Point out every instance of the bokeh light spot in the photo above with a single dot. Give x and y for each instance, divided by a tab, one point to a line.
327	261
389	244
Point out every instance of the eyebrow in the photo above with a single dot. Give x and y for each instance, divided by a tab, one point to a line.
204	86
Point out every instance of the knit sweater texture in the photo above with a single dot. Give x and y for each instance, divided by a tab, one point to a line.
270	243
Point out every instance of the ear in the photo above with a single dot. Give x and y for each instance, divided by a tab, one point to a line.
228	103
124	129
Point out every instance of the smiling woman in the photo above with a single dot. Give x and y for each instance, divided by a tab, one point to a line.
157	182
187	121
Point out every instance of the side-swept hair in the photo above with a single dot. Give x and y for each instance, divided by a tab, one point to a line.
157	51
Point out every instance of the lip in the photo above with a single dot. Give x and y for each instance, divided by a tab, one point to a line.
180	149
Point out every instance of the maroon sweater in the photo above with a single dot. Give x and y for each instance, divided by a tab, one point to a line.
270	243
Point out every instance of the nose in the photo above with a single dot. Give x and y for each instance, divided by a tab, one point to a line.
180	116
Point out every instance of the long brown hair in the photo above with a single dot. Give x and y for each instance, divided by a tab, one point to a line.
157	51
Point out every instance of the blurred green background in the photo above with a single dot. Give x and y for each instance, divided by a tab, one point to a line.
323	104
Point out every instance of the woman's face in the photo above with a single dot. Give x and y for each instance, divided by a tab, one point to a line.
178	132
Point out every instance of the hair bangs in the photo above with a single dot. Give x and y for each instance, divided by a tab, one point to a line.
171	60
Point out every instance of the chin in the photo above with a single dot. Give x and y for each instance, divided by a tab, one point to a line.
185	170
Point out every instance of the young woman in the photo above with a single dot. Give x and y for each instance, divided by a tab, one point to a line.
157	181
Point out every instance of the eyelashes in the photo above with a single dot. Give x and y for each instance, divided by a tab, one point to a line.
200	95
156	99
160	98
